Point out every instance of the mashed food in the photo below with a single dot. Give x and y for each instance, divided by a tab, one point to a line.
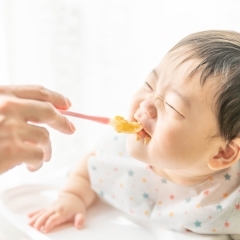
123	126
142	135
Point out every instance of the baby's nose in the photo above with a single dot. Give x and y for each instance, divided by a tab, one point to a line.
149	108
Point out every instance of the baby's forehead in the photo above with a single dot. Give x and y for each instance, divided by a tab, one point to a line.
178	71
178	63
192	67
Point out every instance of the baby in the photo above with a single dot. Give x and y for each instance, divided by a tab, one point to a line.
187	177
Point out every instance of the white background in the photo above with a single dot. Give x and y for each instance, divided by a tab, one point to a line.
97	52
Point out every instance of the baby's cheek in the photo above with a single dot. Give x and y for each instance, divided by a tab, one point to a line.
171	144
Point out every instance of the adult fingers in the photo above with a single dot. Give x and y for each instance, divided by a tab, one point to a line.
32	134
34	166
32	142
32	155
38	112
10	155
37	93
38	136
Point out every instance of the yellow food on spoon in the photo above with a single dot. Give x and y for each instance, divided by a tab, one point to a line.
121	125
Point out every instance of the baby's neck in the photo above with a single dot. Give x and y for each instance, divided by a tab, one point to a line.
183	177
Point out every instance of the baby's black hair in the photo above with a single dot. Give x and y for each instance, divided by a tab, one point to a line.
218	54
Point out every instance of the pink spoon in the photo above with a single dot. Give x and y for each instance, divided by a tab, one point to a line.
103	120
119	123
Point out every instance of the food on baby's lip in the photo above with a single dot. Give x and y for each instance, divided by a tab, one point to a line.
142	135
121	125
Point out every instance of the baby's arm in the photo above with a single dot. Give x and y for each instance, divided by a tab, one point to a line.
72	203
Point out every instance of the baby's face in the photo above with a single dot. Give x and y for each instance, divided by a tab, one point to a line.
178	115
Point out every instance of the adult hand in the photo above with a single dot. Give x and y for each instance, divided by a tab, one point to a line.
21	140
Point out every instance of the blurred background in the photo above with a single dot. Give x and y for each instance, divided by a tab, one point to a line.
96	52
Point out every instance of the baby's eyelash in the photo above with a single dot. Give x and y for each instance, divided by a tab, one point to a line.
170	106
148	85
173	108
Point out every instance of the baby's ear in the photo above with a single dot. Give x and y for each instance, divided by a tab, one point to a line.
226	156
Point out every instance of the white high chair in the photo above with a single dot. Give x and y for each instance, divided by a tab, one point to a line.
103	222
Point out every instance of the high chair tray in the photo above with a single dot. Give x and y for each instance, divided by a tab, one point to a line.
103	222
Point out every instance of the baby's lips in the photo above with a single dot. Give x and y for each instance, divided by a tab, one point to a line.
141	134
144	136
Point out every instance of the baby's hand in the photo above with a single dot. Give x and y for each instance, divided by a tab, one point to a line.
67	208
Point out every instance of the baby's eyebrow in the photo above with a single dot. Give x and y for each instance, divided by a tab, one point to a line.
155	74
179	94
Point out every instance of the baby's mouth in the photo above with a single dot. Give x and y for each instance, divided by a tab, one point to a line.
144	136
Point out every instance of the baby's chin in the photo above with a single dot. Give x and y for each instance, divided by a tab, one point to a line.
135	147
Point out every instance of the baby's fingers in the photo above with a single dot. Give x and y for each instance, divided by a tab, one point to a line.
53	221
57	219
31	214
34	216
41	219
79	220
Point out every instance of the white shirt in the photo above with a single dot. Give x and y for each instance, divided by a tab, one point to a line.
211	207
